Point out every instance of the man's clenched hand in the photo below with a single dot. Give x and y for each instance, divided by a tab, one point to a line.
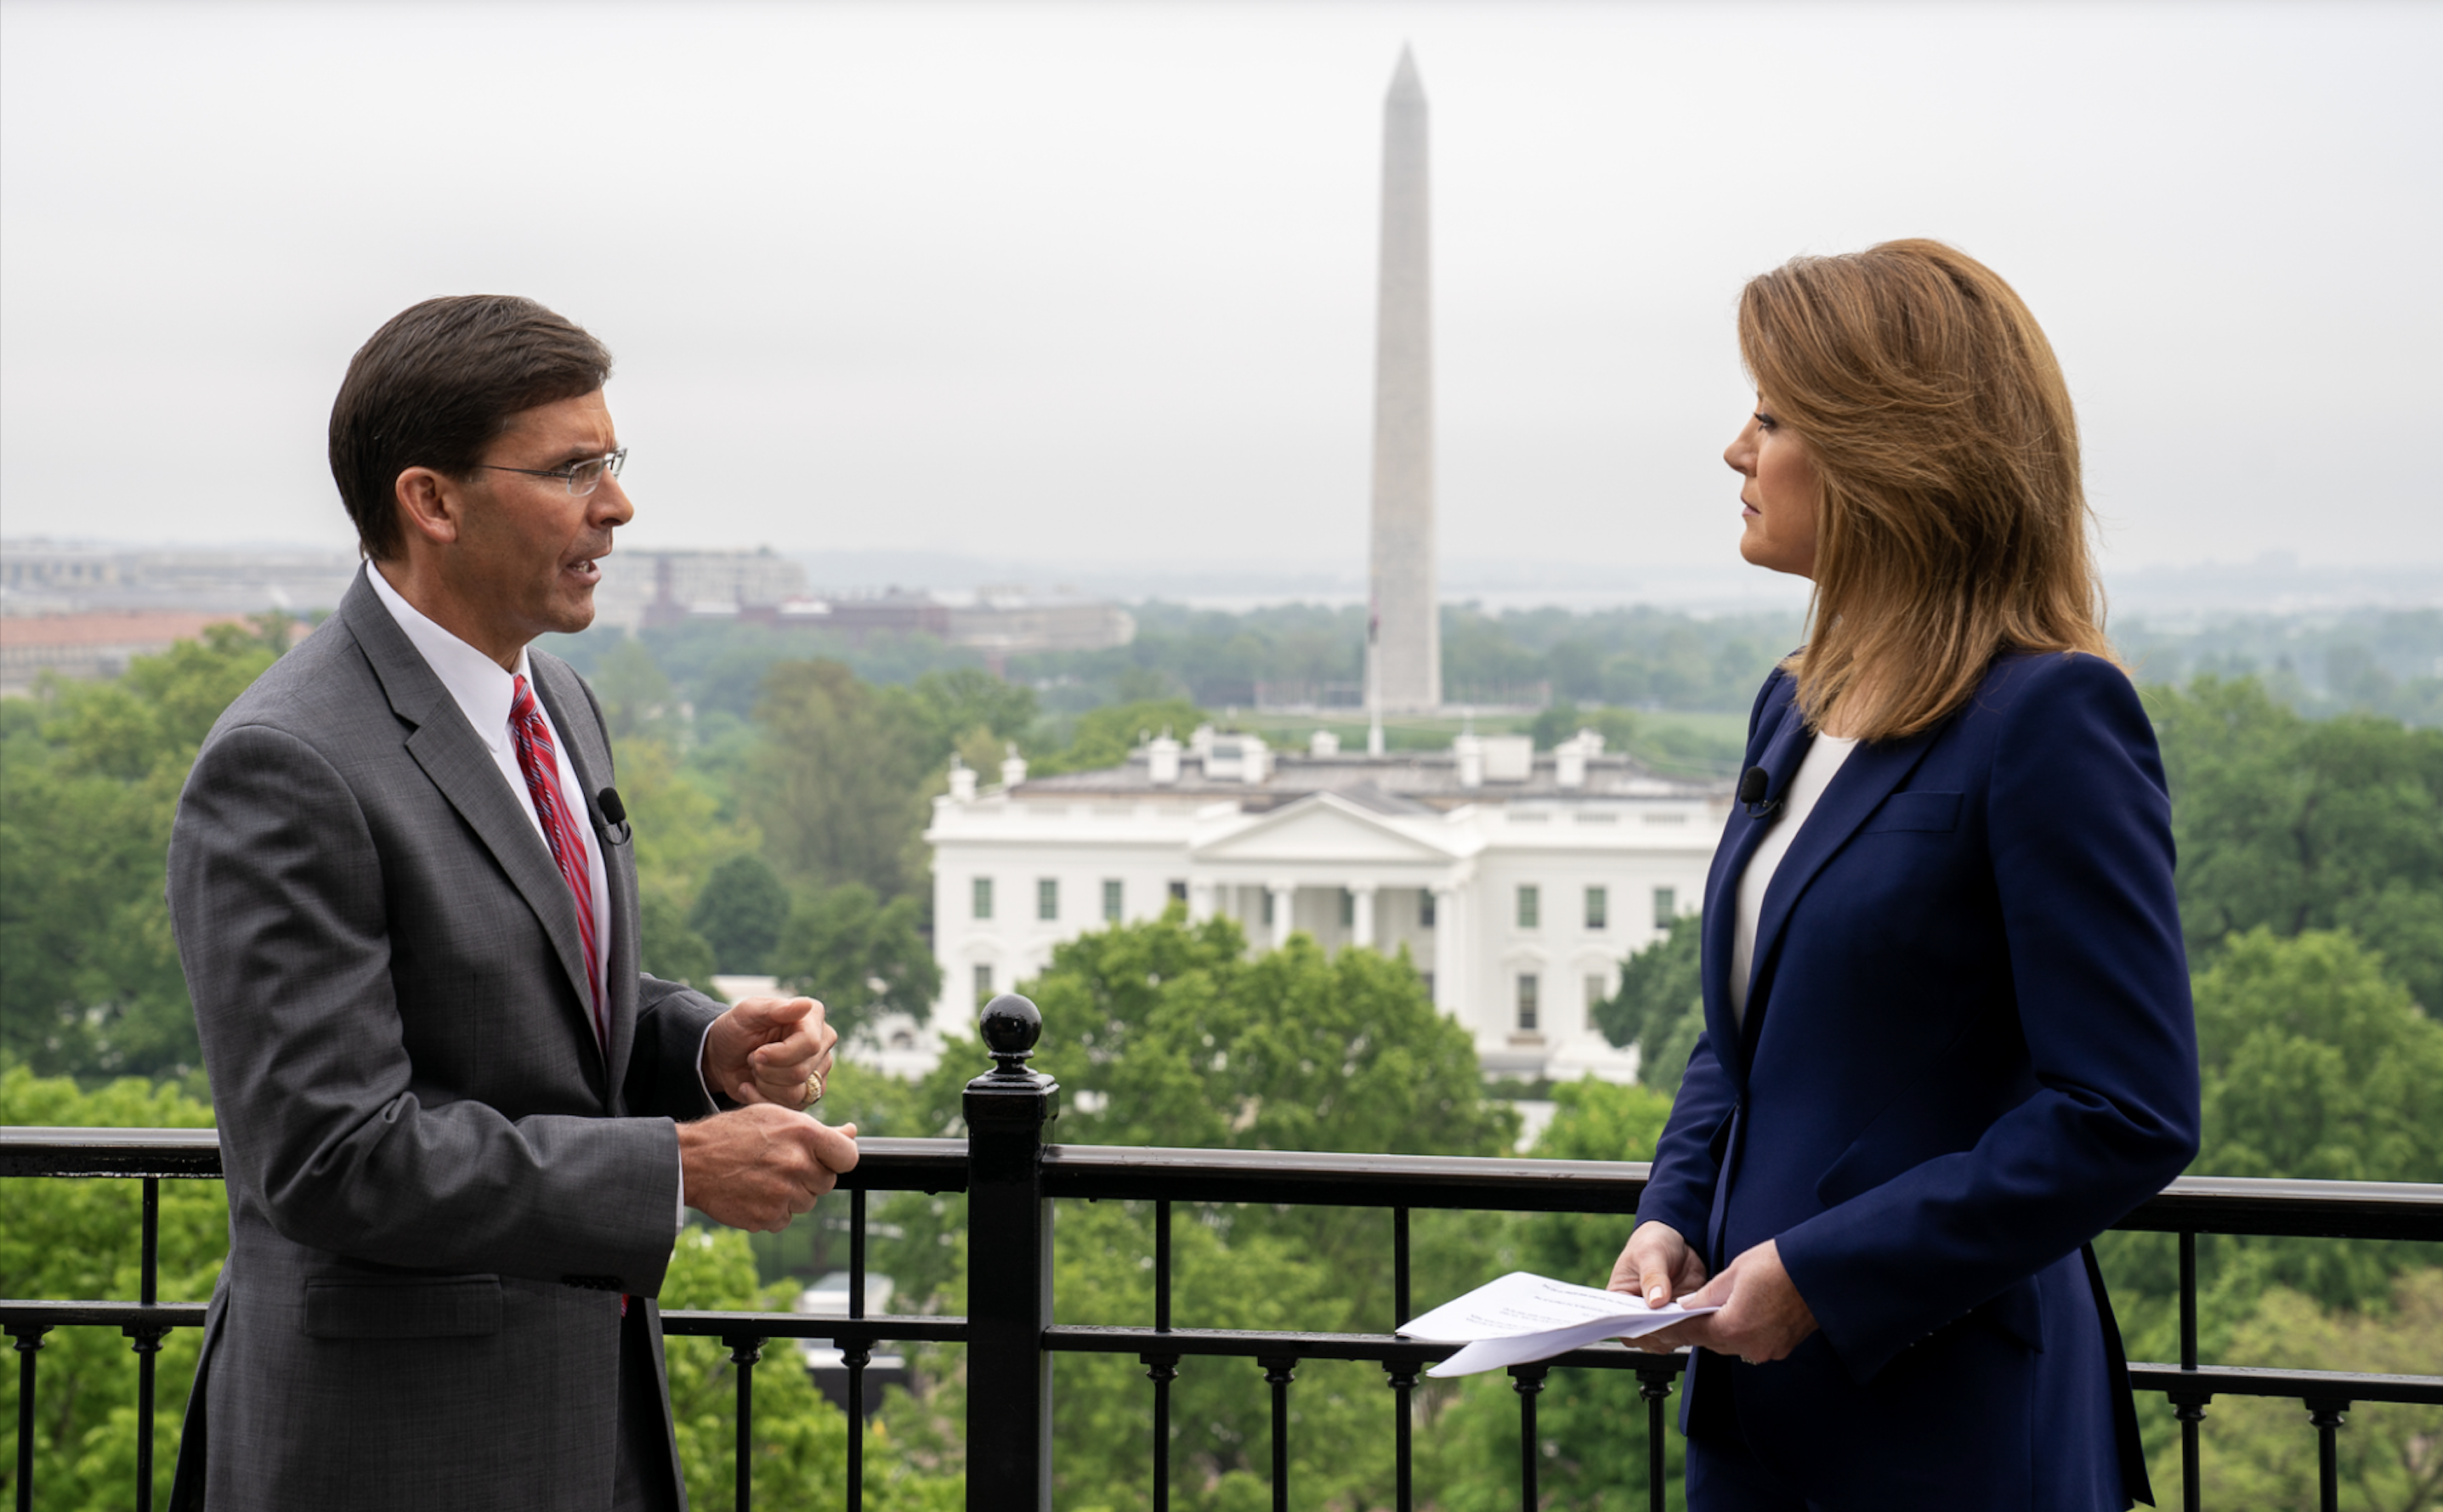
765	1048
760	1166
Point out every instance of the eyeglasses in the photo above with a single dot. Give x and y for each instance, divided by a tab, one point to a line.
582	477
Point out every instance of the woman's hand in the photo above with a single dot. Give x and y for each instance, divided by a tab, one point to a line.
1763	1317
1657	1264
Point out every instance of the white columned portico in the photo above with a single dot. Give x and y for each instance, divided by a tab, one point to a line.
1285	899
1448	939
1361	914
1199	901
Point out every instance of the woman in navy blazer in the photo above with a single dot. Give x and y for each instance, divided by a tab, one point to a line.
1948	1036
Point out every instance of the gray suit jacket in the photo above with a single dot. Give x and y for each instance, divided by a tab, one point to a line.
438	1182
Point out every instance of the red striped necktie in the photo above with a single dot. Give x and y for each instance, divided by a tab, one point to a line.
540	761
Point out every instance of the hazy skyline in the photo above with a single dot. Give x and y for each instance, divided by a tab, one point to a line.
1093	286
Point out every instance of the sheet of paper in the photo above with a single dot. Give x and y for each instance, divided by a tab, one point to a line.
1522	1317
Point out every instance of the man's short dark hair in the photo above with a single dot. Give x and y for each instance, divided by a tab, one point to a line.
435	385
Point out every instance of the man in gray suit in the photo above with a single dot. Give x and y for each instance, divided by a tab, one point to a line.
460	1124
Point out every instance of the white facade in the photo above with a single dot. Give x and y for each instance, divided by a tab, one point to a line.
1515	880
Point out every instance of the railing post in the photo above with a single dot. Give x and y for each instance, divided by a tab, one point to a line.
2326	1413
2189	1406
1655	1386
29	1337
744	1349
1528	1380
856	1353
1280	1371
1403	1380
1009	1269
146	1341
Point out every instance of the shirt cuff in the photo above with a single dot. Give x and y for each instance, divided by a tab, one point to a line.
700	1044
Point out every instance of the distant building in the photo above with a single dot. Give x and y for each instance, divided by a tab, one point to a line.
40	577
86	648
1011	622
1516	881
642	588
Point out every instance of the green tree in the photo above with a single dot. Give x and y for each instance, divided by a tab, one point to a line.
666	947
739	913
637	699
2292	823
1659	1006
836	780
965	700
858	956
89	780
675	819
1105	736
679	836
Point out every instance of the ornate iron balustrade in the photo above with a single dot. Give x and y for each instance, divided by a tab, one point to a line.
1011	1175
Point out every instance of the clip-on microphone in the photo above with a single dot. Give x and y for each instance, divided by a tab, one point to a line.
615	816
1753	783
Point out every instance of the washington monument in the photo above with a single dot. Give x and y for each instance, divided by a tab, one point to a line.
1404	650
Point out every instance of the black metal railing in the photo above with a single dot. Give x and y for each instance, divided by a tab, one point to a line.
1011	1175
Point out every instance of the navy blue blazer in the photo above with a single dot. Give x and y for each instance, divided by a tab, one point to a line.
1968	1049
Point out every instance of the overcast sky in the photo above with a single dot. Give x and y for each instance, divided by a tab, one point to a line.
1094	284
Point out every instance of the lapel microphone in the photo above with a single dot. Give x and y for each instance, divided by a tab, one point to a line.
1753	783
614	815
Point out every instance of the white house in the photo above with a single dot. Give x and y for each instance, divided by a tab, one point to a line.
1515	880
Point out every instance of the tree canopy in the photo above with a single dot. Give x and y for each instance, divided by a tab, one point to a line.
2291	824
89	781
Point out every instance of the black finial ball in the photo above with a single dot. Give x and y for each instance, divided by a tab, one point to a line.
1010	1026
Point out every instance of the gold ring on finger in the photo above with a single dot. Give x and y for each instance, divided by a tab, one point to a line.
813	1087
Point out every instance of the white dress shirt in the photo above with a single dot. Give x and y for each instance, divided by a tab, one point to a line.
1815	775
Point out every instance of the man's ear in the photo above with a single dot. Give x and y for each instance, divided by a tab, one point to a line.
430	505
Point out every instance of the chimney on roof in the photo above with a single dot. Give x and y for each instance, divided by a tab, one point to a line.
963	780
1570	763
1162	759
1469	748
1255	760
1013	766
1323	743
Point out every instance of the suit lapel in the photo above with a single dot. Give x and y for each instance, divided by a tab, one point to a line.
1782	745
1870	775
461	766
572	714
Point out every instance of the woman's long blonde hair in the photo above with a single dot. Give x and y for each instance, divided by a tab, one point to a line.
1952	523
